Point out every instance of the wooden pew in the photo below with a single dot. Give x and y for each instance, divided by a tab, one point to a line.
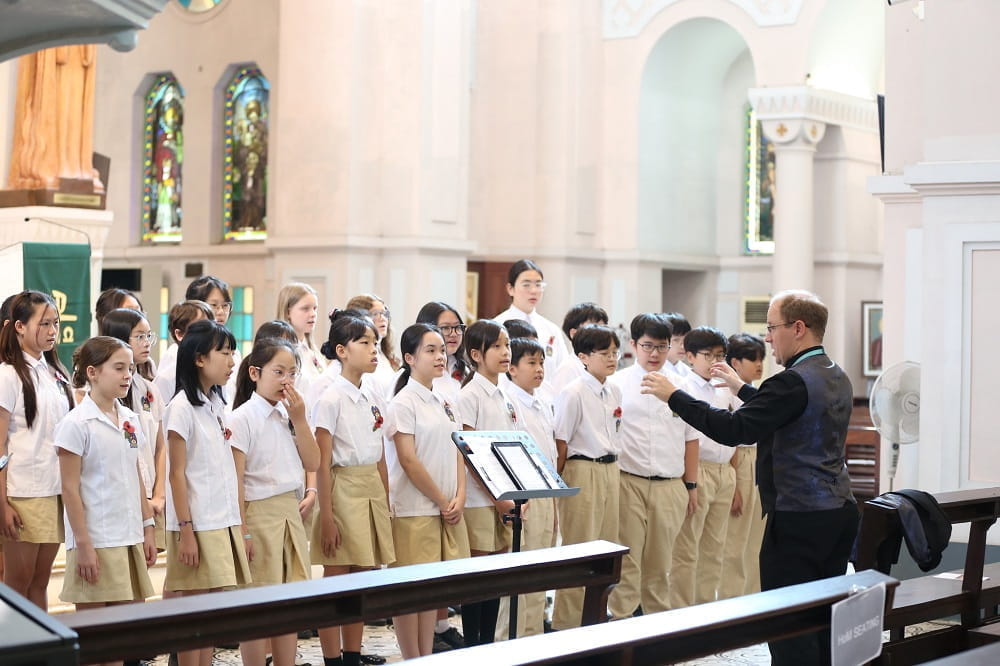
862	452
678	635
131	631
929	597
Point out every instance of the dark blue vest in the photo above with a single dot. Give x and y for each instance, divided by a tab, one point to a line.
802	466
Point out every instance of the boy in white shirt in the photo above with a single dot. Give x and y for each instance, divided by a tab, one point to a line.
700	545
588	422
659	474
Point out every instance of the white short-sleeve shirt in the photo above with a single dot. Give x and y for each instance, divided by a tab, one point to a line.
213	495
33	470
166	373
589	416
550	336
536	416
418	411
354	416
710	450
652	437
679	370
263	432
318	386
311	366
484	406
147	403
572	368
109	481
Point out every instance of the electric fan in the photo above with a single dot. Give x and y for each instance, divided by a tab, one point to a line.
895	408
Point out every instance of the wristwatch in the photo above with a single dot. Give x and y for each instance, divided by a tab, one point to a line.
4	459
690	485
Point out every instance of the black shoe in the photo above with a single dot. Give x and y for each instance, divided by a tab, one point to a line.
547	627
306	634
385	622
451	637
373	659
440	645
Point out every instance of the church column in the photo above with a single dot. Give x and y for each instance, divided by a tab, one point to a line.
787	122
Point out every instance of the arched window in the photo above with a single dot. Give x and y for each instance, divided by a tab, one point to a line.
244	196
163	159
760	188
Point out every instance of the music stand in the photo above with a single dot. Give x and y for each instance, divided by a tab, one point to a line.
510	466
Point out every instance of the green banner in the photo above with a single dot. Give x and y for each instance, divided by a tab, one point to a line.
62	270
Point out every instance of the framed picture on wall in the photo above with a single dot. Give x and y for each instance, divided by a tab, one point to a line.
871	338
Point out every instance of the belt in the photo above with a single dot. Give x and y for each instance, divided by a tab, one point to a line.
652	478
604	460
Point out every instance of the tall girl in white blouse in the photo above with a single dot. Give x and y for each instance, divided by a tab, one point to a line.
353	532
298	305
206	550
272	447
110	538
34	395
427	475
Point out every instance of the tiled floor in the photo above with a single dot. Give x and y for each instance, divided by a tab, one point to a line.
382	640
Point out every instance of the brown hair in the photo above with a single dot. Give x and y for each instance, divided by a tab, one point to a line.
185	313
365	302
799	305
22	309
290	294
94	352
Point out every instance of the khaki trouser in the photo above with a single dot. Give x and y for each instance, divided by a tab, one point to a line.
538	531
652	513
700	545
590	514
741	563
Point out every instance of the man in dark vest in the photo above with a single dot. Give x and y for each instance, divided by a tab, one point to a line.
799	418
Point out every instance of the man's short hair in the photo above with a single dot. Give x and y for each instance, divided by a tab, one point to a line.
745	347
594	337
704	338
651	324
805	306
581	313
678	323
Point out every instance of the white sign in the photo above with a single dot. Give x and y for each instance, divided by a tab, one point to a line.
856	627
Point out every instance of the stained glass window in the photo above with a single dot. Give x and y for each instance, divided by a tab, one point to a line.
244	196
163	159
164	328
241	319
759	193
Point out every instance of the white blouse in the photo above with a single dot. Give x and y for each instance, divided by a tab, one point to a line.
354	416
263	432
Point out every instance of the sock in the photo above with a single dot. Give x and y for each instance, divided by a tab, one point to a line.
442	626
471	622
488	621
351	658
333	661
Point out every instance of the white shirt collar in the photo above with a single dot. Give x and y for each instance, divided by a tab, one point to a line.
33	362
352	391
485	384
528	399
88	410
526	316
699	381
591	382
265	408
425	393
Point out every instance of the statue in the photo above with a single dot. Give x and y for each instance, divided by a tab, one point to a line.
54	121
251	163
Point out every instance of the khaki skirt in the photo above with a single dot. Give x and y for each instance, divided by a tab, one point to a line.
279	540
487	533
422	539
222	561
41	519
122	577
361	512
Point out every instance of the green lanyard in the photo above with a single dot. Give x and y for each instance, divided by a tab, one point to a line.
814	352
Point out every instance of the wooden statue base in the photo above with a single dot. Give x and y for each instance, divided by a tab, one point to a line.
72	193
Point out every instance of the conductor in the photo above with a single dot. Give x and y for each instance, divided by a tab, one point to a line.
799	418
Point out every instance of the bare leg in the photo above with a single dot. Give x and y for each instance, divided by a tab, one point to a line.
200	657
283	649
425	629
253	653
38	591
407	635
329	637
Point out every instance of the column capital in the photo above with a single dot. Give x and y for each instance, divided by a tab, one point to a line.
802	113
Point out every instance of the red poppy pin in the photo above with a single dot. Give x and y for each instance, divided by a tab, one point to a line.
512	413
147	401
618	418
378	418
128	430
549	348
457	375
447	410
226	432
316	363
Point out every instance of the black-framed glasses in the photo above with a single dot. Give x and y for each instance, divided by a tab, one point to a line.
449	330
713	357
649	347
771	327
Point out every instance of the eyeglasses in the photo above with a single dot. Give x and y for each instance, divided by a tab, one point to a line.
608	354
380	314
280	374
150	337
221	307
771	327
449	330
649	347
532	284
713	357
